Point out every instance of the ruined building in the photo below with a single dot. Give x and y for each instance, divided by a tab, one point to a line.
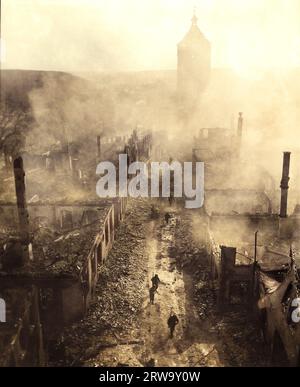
53	248
193	66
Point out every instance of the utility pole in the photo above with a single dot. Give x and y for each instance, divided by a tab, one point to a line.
254	264
1	52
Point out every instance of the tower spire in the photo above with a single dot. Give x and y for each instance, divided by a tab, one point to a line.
194	18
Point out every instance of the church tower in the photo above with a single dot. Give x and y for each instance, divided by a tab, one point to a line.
193	65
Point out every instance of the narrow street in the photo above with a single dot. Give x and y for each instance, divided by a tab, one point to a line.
174	294
170	296
124	329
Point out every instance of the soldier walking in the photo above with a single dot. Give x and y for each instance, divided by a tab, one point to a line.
172	322
152	294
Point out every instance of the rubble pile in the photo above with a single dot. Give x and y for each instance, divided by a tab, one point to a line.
241	339
188	250
119	292
166	236
236	337
65	253
192	256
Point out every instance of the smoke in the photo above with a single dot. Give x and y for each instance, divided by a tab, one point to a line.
96	39
92	37
68	109
118	35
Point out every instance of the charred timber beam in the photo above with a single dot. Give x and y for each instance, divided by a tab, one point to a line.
23	216
284	185
98	148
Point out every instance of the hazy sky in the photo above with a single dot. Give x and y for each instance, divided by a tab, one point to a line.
77	35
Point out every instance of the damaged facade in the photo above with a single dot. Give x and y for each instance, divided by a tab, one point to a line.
257	267
55	256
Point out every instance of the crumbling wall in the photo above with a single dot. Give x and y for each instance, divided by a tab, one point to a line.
235	201
51	214
21	334
64	298
77	297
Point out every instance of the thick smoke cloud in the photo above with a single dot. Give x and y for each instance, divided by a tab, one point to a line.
97	35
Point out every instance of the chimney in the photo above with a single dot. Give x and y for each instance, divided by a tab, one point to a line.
240	132
70	157
194	157
22	207
240	125
50	164
284	185
228	260
98	148
75	168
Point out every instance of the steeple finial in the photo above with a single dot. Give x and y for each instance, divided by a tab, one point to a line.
194	18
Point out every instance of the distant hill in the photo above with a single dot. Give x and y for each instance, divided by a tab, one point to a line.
17	84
